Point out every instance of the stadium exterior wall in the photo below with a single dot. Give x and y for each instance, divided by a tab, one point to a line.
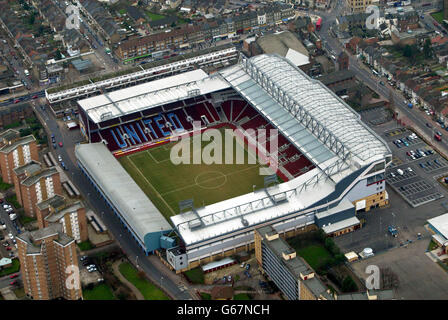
352	186
151	240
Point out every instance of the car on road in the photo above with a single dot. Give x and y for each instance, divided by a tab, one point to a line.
54	145
13	276
428	125
34	97
13	283
59	158
60	144
8	248
16	100
382	83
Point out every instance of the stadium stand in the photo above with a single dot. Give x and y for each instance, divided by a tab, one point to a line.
132	130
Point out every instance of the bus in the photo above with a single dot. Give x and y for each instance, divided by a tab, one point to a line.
319	24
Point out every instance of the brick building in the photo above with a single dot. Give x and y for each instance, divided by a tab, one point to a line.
15	151
45	257
215	29
35	184
290	273
72	217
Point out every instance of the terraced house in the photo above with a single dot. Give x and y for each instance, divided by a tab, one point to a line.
214	29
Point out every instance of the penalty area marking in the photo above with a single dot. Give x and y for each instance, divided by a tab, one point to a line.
149	183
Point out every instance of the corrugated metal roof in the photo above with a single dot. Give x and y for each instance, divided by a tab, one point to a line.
151	94
134	206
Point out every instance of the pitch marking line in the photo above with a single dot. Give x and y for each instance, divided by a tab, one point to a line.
149	183
155	160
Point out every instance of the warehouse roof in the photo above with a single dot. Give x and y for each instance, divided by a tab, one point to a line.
280	43
134	206
441	224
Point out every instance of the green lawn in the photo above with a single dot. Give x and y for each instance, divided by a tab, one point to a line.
158	176
438	16
4	186
100	292
154	16
13	200
122	11
432	245
13	269
85	245
316	255
241	296
206	296
196	276
149	290
25	219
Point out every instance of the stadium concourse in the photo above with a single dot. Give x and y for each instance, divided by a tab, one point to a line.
331	164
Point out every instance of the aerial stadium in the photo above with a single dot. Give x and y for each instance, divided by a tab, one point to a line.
330	164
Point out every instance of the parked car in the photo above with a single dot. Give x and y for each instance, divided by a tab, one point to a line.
247	266
60	144
13	276
13	283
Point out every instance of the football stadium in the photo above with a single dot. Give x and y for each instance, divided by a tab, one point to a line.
330	164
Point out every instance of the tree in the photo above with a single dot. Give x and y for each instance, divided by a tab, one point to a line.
349	285
407	51
427	49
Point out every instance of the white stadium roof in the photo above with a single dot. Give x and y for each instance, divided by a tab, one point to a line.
314	119
270	80
134	206
150	94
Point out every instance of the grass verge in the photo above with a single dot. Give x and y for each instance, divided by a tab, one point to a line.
195	276
148	290
100	292
13	269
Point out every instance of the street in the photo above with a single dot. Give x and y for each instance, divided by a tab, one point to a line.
90	195
371	80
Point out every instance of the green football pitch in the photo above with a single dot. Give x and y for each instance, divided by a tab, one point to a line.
166	184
